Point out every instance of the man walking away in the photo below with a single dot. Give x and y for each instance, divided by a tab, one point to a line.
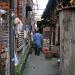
38	42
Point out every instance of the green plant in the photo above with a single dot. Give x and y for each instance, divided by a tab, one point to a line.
22	61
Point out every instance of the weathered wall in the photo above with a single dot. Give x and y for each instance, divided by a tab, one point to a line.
67	41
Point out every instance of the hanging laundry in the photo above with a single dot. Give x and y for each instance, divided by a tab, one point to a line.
19	25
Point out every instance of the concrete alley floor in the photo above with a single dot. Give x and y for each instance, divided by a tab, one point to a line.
38	65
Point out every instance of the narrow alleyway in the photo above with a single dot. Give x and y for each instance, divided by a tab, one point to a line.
38	65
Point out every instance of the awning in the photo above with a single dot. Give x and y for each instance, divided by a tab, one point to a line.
49	9
4	5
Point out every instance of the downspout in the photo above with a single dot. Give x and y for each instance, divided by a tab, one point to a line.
18	8
50	36
54	28
11	38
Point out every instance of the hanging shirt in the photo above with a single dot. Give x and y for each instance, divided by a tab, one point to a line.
28	28
19	25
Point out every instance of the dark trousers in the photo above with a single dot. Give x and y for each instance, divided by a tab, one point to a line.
37	51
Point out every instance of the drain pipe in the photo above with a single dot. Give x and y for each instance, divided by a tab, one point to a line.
11	38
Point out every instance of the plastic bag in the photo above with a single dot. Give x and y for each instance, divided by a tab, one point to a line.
16	59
